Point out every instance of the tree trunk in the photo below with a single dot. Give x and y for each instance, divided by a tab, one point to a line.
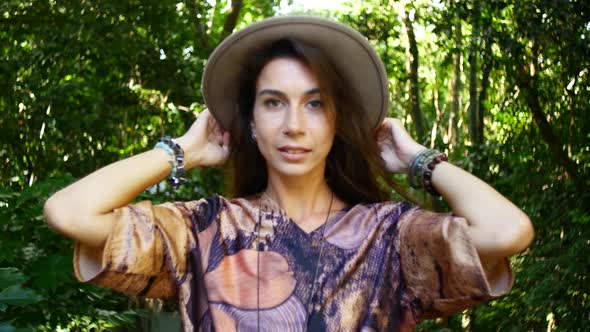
413	75
473	53
202	36
453	129
527	80
229	24
483	92
232	18
572	106
439	112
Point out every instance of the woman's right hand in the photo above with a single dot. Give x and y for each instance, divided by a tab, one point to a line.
205	143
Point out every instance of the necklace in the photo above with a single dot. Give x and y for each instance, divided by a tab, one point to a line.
308	307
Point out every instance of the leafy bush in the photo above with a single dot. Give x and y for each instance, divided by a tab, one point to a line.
37	286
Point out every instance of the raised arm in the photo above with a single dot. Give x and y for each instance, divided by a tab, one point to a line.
83	211
496	226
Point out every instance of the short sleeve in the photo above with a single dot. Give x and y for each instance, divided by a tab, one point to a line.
441	267
145	252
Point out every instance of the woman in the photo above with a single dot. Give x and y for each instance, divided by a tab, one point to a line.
309	242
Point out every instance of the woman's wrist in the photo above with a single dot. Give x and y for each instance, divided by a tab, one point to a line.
192	158
422	167
411	155
176	160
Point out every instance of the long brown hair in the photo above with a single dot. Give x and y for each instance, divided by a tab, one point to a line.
354	169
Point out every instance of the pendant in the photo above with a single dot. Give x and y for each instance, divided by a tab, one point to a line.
315	321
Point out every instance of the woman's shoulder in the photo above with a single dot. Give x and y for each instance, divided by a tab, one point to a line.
364	218
380	210
240	203
244	206
363	223
217	202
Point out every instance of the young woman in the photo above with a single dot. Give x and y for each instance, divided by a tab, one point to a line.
308	241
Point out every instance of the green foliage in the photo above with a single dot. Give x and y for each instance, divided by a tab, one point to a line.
13	294
16	295
86	83
37	286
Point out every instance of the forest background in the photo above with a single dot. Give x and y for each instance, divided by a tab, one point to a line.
501	86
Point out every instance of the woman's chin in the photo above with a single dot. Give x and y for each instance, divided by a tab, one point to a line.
296	171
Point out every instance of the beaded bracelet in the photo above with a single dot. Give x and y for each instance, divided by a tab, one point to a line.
427	170
421	168
416	167
175	151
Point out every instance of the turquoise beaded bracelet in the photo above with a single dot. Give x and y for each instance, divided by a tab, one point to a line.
177	161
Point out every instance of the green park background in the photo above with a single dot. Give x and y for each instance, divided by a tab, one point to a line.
502	86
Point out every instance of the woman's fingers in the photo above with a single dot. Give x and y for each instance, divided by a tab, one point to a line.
217	141
396	145
384	137
401	139
215	132
205	143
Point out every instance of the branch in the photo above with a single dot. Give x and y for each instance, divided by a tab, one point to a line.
201	31
414	81
232	18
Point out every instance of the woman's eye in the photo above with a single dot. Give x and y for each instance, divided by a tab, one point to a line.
315	104
272	103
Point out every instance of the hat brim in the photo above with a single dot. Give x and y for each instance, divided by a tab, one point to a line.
349	51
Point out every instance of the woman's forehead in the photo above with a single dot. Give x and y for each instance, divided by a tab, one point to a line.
287	74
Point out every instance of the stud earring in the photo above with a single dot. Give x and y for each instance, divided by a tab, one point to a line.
254	136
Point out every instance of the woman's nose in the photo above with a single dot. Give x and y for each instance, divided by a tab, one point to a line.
294	122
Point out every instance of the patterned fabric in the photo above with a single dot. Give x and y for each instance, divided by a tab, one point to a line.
383	266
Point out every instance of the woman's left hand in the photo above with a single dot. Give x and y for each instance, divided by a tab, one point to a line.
396	145
497	227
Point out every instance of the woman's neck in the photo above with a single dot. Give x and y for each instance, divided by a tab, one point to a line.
303	199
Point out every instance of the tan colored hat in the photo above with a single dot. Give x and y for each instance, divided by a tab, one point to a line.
349	51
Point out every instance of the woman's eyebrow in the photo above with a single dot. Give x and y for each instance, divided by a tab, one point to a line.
282	94
312	91
272	92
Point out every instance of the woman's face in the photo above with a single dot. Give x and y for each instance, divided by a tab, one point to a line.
294	128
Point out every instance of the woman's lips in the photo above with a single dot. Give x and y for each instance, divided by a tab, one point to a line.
293	153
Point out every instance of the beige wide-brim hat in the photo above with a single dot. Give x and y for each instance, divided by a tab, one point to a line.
348	50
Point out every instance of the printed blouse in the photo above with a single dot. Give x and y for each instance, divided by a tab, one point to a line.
244	265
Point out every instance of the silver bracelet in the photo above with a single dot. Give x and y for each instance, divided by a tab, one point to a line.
175	151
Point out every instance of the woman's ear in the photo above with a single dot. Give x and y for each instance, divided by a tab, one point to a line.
253	130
